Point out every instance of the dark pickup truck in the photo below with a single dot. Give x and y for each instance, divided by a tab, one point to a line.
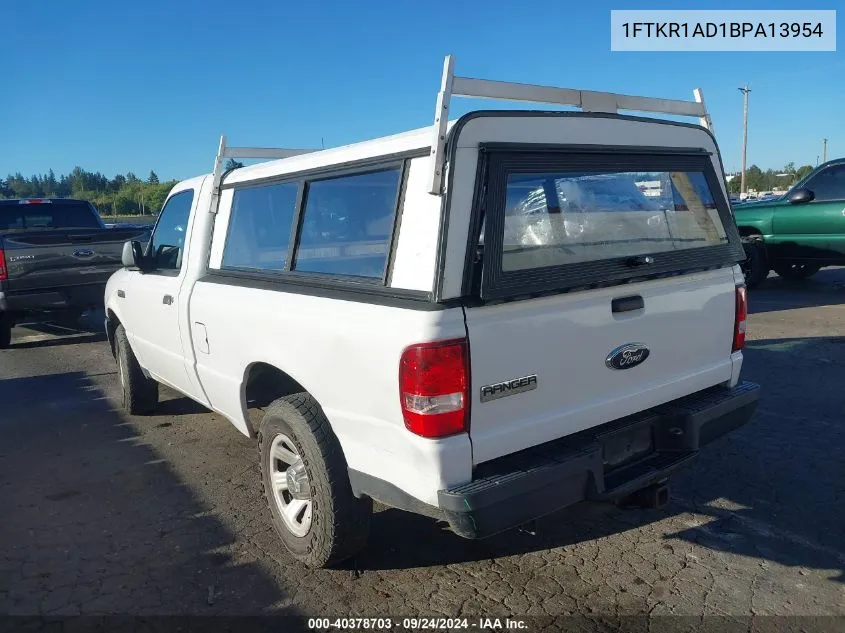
55	258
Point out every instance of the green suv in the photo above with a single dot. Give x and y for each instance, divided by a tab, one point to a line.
799	233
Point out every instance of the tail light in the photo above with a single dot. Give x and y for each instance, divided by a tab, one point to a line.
4	274
740	317
434	388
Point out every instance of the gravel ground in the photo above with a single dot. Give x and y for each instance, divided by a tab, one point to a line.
105	513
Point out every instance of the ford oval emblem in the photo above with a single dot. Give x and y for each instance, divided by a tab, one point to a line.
627	356
83	252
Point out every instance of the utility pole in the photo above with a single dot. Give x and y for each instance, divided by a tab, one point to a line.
824	150
744	92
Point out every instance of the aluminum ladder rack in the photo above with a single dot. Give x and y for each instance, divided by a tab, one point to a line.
224	151
589	101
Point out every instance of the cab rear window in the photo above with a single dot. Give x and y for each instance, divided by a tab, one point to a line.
48	215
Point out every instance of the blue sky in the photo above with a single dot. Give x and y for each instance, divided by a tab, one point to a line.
131	86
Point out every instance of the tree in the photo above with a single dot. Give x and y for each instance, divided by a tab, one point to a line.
37	187
77	181
123	204
154	197
20	186
754	178
117	183
64	189
233	164
803	171
153	178
50	184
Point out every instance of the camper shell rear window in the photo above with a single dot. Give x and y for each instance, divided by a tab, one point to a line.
558	218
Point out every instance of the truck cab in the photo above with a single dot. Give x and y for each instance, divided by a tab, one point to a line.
482	321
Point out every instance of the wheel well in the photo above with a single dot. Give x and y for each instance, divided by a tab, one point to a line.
112	324
750	234
263	384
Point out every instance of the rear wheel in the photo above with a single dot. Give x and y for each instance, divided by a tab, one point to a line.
140	394
795	271
5	330
306	483
756	264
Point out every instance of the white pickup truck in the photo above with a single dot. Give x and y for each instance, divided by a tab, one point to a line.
482	321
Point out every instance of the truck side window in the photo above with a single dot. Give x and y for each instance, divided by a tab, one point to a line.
828	184
347	223
259	227
168	239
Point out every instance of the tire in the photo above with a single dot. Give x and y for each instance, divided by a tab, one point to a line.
795	271
335	526
140	394
5	331
756	266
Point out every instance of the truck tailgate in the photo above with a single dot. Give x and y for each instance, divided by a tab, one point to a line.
51	259
557	350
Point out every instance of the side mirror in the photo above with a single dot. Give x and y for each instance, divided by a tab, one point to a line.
132	255
801	196
128	255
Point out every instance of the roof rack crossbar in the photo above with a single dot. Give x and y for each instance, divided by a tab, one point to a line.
589	101
264	152
225	151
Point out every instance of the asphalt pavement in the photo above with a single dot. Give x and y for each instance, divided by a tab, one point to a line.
105	513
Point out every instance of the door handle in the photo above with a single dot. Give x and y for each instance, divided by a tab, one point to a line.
167	300
627	304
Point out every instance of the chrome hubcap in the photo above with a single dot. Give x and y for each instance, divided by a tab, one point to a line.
291	487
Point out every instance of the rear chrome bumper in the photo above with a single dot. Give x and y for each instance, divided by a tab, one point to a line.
604	464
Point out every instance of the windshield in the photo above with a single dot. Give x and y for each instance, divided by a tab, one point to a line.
51	215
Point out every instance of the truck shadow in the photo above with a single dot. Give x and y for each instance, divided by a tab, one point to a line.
65	339
87	329
825	288
770	491
173	403
96	522
781	473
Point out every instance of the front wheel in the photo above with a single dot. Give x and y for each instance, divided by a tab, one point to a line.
794	271
756	264
140	394
306	483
